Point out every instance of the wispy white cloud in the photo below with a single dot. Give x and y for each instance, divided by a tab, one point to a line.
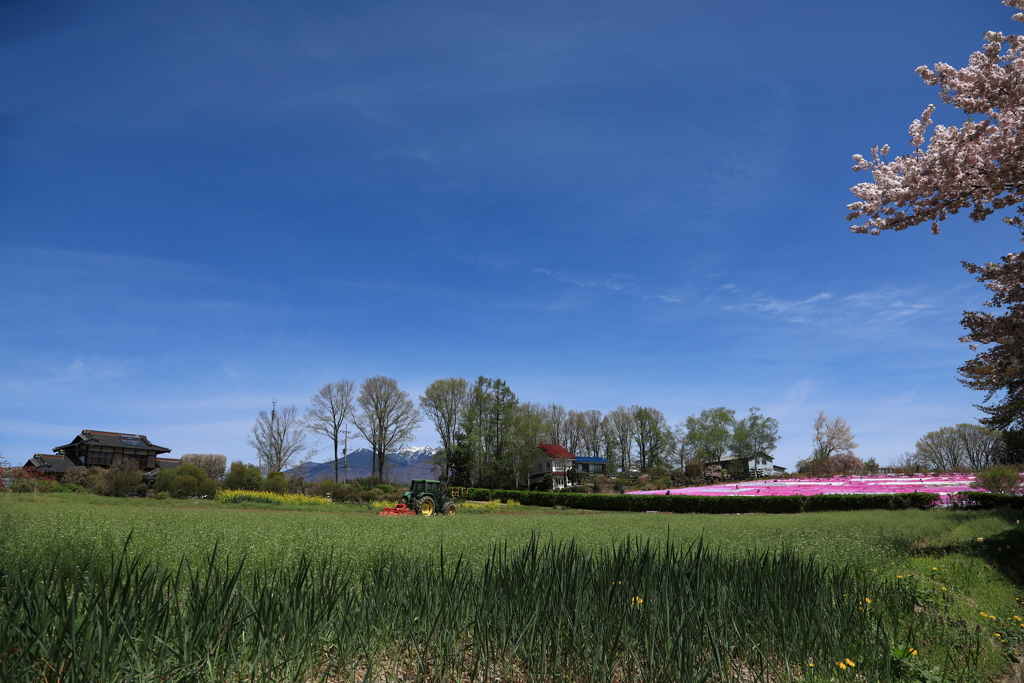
860	313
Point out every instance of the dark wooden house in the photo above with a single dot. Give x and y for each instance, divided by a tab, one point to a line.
101	449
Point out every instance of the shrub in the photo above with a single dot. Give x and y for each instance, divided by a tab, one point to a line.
1001	479
243	477
207	488
977	500
122	479
76	475
276	483
321	489
185	486
386	488
709	504
164	481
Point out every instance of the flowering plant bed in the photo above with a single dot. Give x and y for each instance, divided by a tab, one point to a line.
943	485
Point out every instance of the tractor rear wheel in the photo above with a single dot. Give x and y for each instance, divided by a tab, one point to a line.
425	506
448	509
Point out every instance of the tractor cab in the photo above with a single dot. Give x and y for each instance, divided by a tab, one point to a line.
428	497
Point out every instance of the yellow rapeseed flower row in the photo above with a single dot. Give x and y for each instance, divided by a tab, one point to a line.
269	497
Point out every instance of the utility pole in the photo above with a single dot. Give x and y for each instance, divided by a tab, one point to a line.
345	456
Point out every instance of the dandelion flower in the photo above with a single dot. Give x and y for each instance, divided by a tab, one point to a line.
913	652
850	662
867	600
943	588
935	569
638	600
841	665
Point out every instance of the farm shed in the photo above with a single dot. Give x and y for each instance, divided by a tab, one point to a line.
749	467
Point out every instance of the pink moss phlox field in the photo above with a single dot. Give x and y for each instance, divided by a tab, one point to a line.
944	485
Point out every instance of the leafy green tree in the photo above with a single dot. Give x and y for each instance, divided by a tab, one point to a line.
754	435
652	436
709	435
443	402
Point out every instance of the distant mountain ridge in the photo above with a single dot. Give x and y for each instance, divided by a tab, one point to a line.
402	467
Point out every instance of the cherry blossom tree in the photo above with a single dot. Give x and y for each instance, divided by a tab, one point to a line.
976	167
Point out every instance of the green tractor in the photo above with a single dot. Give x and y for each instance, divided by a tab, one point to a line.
429	497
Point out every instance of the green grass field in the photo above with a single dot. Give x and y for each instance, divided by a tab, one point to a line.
956	570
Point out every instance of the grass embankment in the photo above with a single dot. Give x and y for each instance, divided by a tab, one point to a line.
324	590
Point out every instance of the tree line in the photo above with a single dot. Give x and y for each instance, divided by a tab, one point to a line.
488	436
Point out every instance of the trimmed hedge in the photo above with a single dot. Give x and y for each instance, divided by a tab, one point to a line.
982	500
710	504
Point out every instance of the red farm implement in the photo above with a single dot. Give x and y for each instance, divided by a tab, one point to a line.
396	511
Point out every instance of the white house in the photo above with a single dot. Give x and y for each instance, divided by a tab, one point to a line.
554	460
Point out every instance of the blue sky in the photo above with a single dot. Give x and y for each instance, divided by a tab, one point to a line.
207	205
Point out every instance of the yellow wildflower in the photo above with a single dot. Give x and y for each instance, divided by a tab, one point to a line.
638	600
841	665
850	662
867	600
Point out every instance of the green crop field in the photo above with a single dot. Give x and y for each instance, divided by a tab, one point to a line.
539	594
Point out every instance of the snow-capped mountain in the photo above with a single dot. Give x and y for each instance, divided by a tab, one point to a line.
402	467
412	454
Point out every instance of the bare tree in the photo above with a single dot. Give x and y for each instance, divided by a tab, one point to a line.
278	438
575	432
330	408
592	439
388	418
965	445
622	427
443	402
555	416
212	464
982	447
939	450
831	437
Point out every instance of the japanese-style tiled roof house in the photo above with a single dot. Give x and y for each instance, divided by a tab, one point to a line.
50	465
100	449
